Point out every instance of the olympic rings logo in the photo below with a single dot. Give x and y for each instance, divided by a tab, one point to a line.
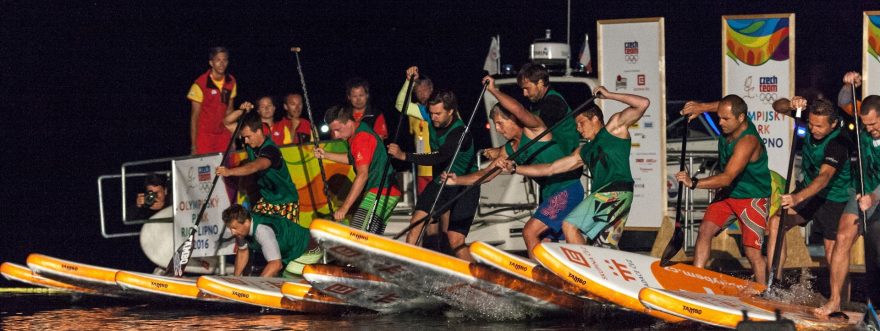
767	98
631	58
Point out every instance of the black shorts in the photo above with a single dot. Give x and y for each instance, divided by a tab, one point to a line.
824	213
461	216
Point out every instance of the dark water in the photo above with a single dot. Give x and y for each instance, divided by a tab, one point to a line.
42	311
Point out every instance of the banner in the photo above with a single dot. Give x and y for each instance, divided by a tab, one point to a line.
192	179
758	65
632	60
871	53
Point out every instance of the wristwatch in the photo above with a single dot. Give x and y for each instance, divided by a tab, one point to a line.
694	181
513	170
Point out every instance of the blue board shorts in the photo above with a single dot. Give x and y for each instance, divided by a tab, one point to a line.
553	210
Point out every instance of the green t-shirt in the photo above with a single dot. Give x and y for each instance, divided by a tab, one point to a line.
544	152
607	157
552	108
292	238
754	180
870	161
833	151
276	186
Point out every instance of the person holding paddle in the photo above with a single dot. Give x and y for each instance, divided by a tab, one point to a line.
446	130
827	181
559	194
744	182
368	156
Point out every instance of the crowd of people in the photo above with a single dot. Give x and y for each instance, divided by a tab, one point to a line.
544	145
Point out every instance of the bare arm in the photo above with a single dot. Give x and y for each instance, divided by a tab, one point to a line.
261	163
271	269
521	113
568	163
357	187
692	109
826	172
335	157
232	116
195	111
241	260
618	125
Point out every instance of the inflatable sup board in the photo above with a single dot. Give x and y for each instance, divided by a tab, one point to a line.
184	288
92	277
366	290
263	292
474	288
726	311
523	268
20	273
618	276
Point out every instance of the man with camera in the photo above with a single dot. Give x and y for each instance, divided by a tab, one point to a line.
154	202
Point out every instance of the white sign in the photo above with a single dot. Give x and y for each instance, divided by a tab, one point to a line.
871	53
192	180
632	60
758	66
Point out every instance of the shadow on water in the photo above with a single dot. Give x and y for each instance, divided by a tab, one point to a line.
41	311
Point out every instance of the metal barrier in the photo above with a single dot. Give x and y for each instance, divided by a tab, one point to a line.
101	208
123	175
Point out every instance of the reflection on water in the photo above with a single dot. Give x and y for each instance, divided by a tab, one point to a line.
41	311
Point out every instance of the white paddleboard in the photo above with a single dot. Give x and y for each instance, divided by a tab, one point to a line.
366	290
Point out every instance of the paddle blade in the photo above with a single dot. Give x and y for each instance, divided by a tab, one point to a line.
675	245
181	256
871	321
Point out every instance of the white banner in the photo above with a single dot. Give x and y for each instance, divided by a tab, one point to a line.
632	60
758	66
192	180
871	53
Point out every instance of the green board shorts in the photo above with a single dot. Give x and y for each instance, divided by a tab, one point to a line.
602	216
381	215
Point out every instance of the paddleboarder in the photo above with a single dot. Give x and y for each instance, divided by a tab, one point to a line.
603	214
280	241
559	194
851	224
744	182
445	131
825	169
368	156
419	121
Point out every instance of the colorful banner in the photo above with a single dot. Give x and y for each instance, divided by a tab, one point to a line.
306	175
758	65
191	180
871	53
632	60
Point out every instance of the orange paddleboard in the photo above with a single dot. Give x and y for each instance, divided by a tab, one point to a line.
263	292
20	273
92	277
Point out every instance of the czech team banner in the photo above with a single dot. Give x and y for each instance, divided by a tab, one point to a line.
871	53
632	60
191	181
758	65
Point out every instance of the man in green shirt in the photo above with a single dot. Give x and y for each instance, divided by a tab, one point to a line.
744	182
280	240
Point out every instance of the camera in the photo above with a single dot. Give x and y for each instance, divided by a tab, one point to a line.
150	198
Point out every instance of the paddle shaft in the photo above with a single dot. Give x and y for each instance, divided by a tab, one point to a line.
182	254
780	227
677	241
861	188
314	128
369	217
467	129
491	171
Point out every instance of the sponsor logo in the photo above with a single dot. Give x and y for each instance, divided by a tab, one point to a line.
340	289
517	266
631	52
69	267
619	270
691	310
620	83
345	251
767	86
357	236
159	285
649	125
235	281
575	257
241	295
394	269
204	173
576	279
388	298
640	80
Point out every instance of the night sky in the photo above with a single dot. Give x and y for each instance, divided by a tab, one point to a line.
89	86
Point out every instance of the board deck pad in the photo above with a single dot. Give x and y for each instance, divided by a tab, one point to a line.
184	288
366	290
524	268
618	276
263	292
83	275
20	273
726	311
473	288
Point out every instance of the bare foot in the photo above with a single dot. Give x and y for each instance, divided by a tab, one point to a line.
828	308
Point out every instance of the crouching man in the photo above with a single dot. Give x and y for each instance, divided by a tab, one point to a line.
280	240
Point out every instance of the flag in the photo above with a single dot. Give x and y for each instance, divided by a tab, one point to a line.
492	57
585	58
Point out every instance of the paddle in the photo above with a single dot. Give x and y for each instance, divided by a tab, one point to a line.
780	228
467	128
371	215
491	171
302	158
870	314
182	254
314	128
677	241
